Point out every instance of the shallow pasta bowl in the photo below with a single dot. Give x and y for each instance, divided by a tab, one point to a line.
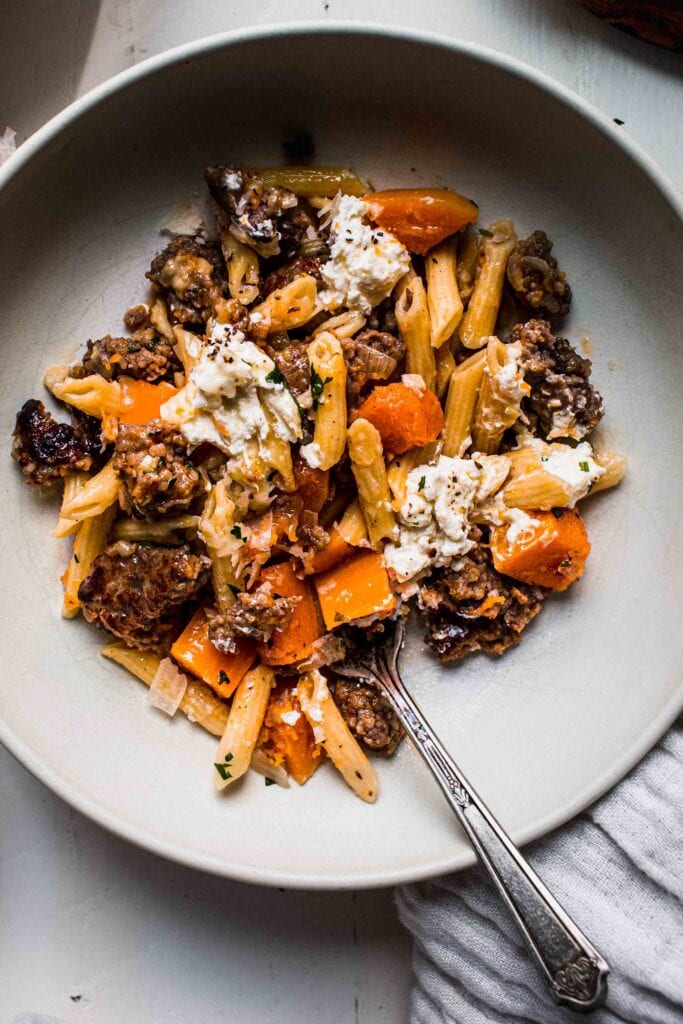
597	678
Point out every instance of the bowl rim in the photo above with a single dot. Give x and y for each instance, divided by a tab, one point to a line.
224	40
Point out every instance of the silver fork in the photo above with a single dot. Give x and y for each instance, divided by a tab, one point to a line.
573	970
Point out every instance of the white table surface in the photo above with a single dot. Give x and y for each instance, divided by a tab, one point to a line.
92	930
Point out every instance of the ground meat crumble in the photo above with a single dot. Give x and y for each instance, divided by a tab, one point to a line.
533	275
562	398
255	614
136	591
475	608
290	271
371	356
368	716
190	273
46	450
155	471
144	356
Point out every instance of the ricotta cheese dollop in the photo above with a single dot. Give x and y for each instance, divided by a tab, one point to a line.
234	395
575	467
365	262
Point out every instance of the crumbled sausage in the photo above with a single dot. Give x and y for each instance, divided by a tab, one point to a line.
475	608
145	356
191	274
291	359
45	449
255	614
562	398
290	271
383	317
368	716
370	356
155	471
137	591
270	220
137	317
533	274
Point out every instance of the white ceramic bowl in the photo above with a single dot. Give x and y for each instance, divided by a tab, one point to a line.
597	678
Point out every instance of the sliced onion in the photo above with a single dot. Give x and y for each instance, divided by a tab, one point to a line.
264	766
378	364
324	651
168	688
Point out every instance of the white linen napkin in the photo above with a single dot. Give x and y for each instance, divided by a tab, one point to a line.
617	869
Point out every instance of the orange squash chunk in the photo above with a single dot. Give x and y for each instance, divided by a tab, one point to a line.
405	417
312	485
289	743
355	590
195	652
337	551
141	401
421	217
553	554
295	641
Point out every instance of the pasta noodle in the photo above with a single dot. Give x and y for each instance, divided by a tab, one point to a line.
90	541
412	315
188	348
311	181
498	405
243	268
243	726
92	394
158	317
291	306
329	368
367	463
445	367
398	470
199	702
73	485
461	402
93	499
615	467
352	526
343	325
157	531
443	297
342	748
466	267
224	547
479	321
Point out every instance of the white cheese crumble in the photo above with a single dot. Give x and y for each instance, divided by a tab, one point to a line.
434	525
233	395
520	524
576	467
365	262
290	717
312	454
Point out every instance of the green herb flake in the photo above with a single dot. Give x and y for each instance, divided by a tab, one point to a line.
558	512
224	679
223	771
236	532
270	782
421	484
585	467
544	458
235	590
275	376
317	386
617	120
564	564
486	233
76	558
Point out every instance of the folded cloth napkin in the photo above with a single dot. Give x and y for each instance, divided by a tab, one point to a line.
618	871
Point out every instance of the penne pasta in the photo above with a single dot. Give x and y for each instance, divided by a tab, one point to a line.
243	268
412	315
479	321
501	392
343	325
92	394
311	181
328	376
537	490
461	402
443	297
352	525
199	702
367	463
466	267
245	719
398	470
615	467
93	499
445	367
157	531
188	348
291	306
158	317
342	748
89	542
225	548
73	485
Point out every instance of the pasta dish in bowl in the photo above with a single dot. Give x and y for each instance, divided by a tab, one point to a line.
337	404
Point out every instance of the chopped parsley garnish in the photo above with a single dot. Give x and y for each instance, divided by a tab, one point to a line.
558	512
224	678
275	376
585	467
76	558
486	233
270	782
317	385
236	532
617	120
223	771
564	564
544	458
235	590
421	484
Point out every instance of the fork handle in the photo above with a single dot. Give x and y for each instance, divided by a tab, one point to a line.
574	971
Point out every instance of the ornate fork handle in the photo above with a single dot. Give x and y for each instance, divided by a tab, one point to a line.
574	971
